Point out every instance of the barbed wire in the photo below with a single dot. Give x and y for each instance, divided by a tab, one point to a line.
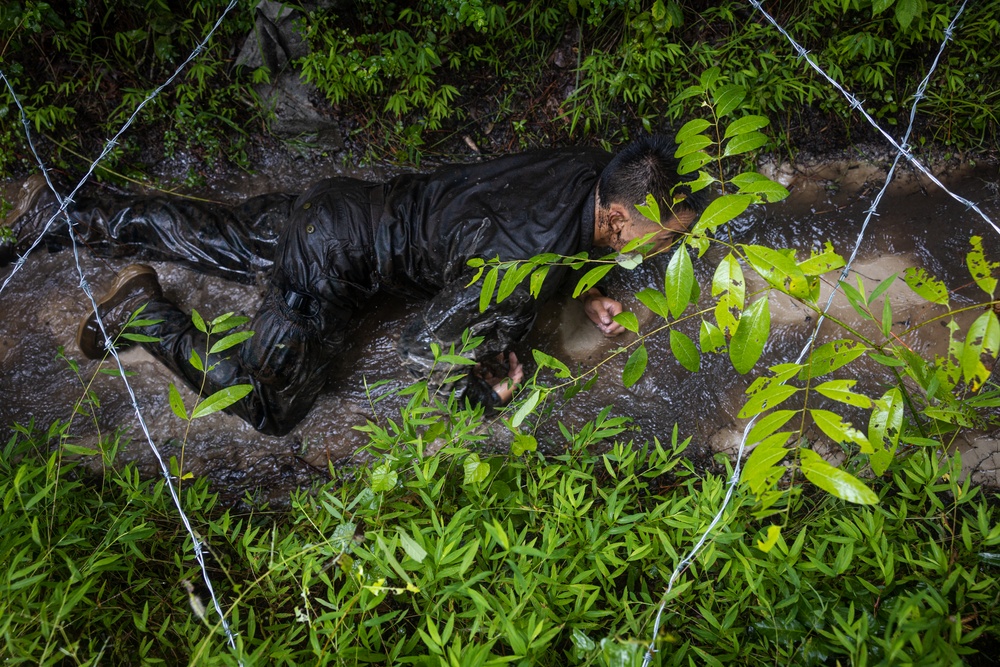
64	202
901	151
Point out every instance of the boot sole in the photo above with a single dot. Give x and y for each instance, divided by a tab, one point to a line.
92	346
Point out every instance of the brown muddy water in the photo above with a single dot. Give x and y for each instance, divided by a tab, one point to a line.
917	225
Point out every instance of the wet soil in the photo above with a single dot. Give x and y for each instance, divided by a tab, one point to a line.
918	225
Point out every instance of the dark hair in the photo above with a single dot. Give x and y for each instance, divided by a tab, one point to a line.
645	166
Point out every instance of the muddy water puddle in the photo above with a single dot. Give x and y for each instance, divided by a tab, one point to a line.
917	225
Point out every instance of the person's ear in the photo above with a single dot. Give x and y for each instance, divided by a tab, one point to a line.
619	216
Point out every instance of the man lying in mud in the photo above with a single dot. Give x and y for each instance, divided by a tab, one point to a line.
327	252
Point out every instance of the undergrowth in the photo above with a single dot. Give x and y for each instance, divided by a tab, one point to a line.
543	560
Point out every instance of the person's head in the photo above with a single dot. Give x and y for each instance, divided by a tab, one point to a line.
646	166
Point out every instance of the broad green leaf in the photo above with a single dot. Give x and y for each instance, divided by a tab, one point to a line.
766	189
691	128
767	399
750	336
591	278
711	338
685	351
779	270
744	143
383	478
526	409
728	278
744	125
949	367
835	481
886	422
879	6
980	268
655	301
195	360
983	338
840	390
221	400
628	261
760	470
678	281
548	361
768	424
476	471
411	547
727	99
177	403
773	533
523	442
628	320
907	10
703	181
688	93
926	285
635	366
831	356
693	162
226	322
489	287
720	211
837	429
693	145
198	321
537	279
708	78
820	263
229	341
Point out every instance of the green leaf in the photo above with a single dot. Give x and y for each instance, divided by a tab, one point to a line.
511	279
628	320
720	211
926	285
882	287
177	403
656	301
703	181
693	145
886	317
983	338
730	283
907	10
230	341
892	362
745	124
693	162
685	351
489	287
708	78
628	261
139	338
475	470
727	99
744	143
195	360
383	478
779	270
980	268
750	336
831	356
766	399
548	361
523	443
760	470
711	338
837	482
837	429
526	409
411	547
773	533
224	323
591	278
221	400
768	424
635	366
691	128
820	263
199	322
886	422
537	279
624	257
840	390
678	281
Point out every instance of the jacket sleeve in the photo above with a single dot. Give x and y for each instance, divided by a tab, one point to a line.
445	318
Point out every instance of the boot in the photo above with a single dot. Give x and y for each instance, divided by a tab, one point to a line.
136	285
25	222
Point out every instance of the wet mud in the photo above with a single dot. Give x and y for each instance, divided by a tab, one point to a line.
917	225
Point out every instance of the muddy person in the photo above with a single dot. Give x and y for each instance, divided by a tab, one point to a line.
325	253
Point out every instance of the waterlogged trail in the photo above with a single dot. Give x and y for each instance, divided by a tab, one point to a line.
917	226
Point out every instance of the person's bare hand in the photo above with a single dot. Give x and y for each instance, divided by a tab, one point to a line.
505	386
601	310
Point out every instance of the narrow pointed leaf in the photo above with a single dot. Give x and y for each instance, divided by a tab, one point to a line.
678	281
489	287
221	400
231	340
635	366
760	471
591	278
177	403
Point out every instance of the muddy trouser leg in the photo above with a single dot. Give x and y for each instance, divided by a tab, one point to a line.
286	361
233	242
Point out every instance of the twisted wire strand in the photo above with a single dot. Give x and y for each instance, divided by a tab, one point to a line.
688	559
64	202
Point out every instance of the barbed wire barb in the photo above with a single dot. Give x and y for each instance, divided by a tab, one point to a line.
64	202
901	151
